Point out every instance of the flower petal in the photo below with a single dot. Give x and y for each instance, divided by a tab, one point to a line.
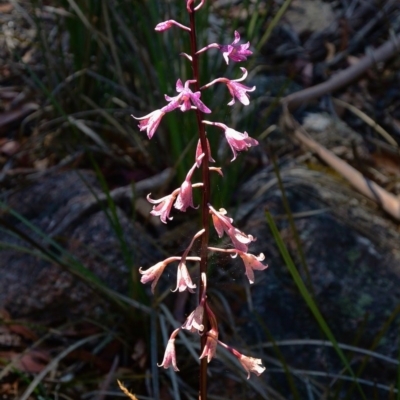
170	354
184	281
251	364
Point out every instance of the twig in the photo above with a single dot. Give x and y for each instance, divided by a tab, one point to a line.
387	201
342	78
363	31
360	114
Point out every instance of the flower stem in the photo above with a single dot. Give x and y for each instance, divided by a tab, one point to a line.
205	199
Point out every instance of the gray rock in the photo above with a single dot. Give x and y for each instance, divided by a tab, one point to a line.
62	206
353	255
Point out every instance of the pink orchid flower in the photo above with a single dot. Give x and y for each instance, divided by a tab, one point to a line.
210	347
170	354
199	152
224	224
185	196
163	26
251	262
150	122
194	322
185	99
164	206
184	281
250	364
234	51
153	273
236	89
237	141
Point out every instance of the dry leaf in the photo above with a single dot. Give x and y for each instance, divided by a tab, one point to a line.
23	332
6	8
34	361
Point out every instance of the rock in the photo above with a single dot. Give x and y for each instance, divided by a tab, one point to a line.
353	256
31	285
309	15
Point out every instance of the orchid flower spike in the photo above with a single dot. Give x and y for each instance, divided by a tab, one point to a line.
163	26
150	122
234	51
237	141
170	354
236	89
185	99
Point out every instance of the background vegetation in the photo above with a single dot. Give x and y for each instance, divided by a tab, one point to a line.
78	70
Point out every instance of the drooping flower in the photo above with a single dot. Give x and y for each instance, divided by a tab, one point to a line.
150	122
234	51
170	354
153	273
237	141
239	239
236	89
251	263
212	336
223	224
163	26
184	281
194	322
185	99
185	196
220	221
251	364
199	152
164	206
210	347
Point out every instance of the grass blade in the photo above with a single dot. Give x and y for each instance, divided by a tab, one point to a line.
309	300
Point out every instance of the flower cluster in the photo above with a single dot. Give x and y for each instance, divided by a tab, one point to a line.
202	318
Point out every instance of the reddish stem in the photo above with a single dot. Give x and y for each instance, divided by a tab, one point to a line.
205	199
